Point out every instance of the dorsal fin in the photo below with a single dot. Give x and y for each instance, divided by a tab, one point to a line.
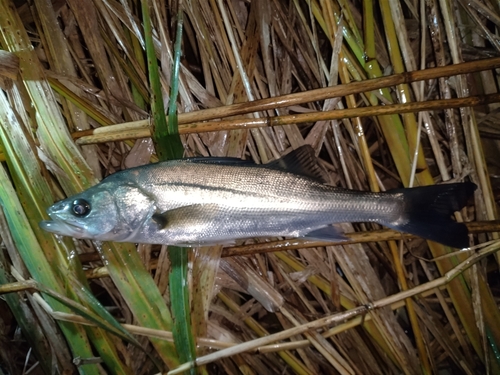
221	160
301	161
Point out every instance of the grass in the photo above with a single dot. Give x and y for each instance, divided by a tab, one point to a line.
389	94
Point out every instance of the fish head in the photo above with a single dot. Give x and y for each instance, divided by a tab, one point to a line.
105	212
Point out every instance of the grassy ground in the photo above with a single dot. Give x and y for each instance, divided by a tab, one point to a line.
389	94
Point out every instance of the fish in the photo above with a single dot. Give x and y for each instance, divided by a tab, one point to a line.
208	201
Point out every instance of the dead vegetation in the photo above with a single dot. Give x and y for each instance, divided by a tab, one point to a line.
383	91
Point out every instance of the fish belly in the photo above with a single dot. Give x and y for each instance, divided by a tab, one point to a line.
216	223
222	225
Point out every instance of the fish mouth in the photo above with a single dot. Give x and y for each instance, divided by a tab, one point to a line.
61	228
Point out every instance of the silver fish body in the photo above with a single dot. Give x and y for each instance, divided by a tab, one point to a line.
214	201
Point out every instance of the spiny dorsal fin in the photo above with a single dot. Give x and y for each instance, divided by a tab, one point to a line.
301	161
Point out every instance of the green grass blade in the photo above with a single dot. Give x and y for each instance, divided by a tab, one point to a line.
27	175
174	88
166	139
179	294
179	283
95	313
36	262
141	293
25	318
168	146
133	281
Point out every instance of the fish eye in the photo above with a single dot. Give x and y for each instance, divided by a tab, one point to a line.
80	207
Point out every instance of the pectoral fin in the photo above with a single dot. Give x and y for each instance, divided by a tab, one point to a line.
194	225
187	216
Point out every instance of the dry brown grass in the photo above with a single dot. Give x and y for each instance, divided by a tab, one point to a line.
383	91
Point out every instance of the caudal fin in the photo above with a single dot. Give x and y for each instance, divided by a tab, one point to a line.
428	211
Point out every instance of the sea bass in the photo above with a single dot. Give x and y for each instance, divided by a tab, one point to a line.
206	201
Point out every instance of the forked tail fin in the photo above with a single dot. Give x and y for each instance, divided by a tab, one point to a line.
428	209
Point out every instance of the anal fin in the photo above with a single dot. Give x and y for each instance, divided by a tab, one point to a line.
329	234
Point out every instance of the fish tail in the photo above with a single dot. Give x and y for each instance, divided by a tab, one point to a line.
428	213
